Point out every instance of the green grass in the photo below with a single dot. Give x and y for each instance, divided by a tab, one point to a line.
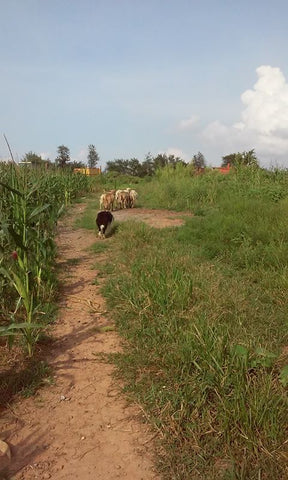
203	311
88	219
201	345
105	269
98	247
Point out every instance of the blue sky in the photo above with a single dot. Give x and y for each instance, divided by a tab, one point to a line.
135	76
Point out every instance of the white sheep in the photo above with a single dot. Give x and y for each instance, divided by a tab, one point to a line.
122	198
132	198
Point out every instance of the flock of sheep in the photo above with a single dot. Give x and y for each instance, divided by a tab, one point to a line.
108	200
118	198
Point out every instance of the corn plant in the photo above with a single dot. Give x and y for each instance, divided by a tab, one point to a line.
30	204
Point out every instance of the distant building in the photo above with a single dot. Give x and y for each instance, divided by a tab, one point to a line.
44	163
88	171
223	170
25	163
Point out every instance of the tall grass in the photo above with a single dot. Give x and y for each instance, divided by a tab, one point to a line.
204	311
177	189
31	201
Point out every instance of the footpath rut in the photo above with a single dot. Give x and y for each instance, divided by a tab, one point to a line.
79	427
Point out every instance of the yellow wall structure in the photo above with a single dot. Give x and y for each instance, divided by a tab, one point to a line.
88	171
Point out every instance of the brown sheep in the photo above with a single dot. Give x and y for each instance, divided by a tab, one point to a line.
107	200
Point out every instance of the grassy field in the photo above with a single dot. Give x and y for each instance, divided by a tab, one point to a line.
202	308
203	311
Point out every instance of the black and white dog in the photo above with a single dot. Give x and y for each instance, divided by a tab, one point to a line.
104	220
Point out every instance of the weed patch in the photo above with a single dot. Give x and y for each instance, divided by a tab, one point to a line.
98	247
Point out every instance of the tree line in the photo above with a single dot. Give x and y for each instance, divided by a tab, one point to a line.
198	162
63	158
148	167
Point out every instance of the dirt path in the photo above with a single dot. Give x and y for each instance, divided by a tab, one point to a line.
80	427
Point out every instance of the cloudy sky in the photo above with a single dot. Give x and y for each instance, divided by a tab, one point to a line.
139	76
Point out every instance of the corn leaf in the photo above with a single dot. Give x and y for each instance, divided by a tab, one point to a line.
38	210
12	189
13	328
17	238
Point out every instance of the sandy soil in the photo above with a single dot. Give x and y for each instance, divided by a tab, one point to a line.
154	218
80	427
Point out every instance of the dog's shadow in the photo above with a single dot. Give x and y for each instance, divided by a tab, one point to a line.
112	229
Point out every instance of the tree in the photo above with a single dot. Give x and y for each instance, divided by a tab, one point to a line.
33	158
247	159
76	164
119	166
63	156
198	161
163	160
134	167
250	159
93	157
125	167
231	159
147	167
160	161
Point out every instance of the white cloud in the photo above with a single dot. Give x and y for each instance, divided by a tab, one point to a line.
267	105
81	156
215	131
264	120
189	123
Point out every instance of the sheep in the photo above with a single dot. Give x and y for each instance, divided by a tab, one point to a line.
122	198
118	198
107	200
104	220
126	197
132	198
